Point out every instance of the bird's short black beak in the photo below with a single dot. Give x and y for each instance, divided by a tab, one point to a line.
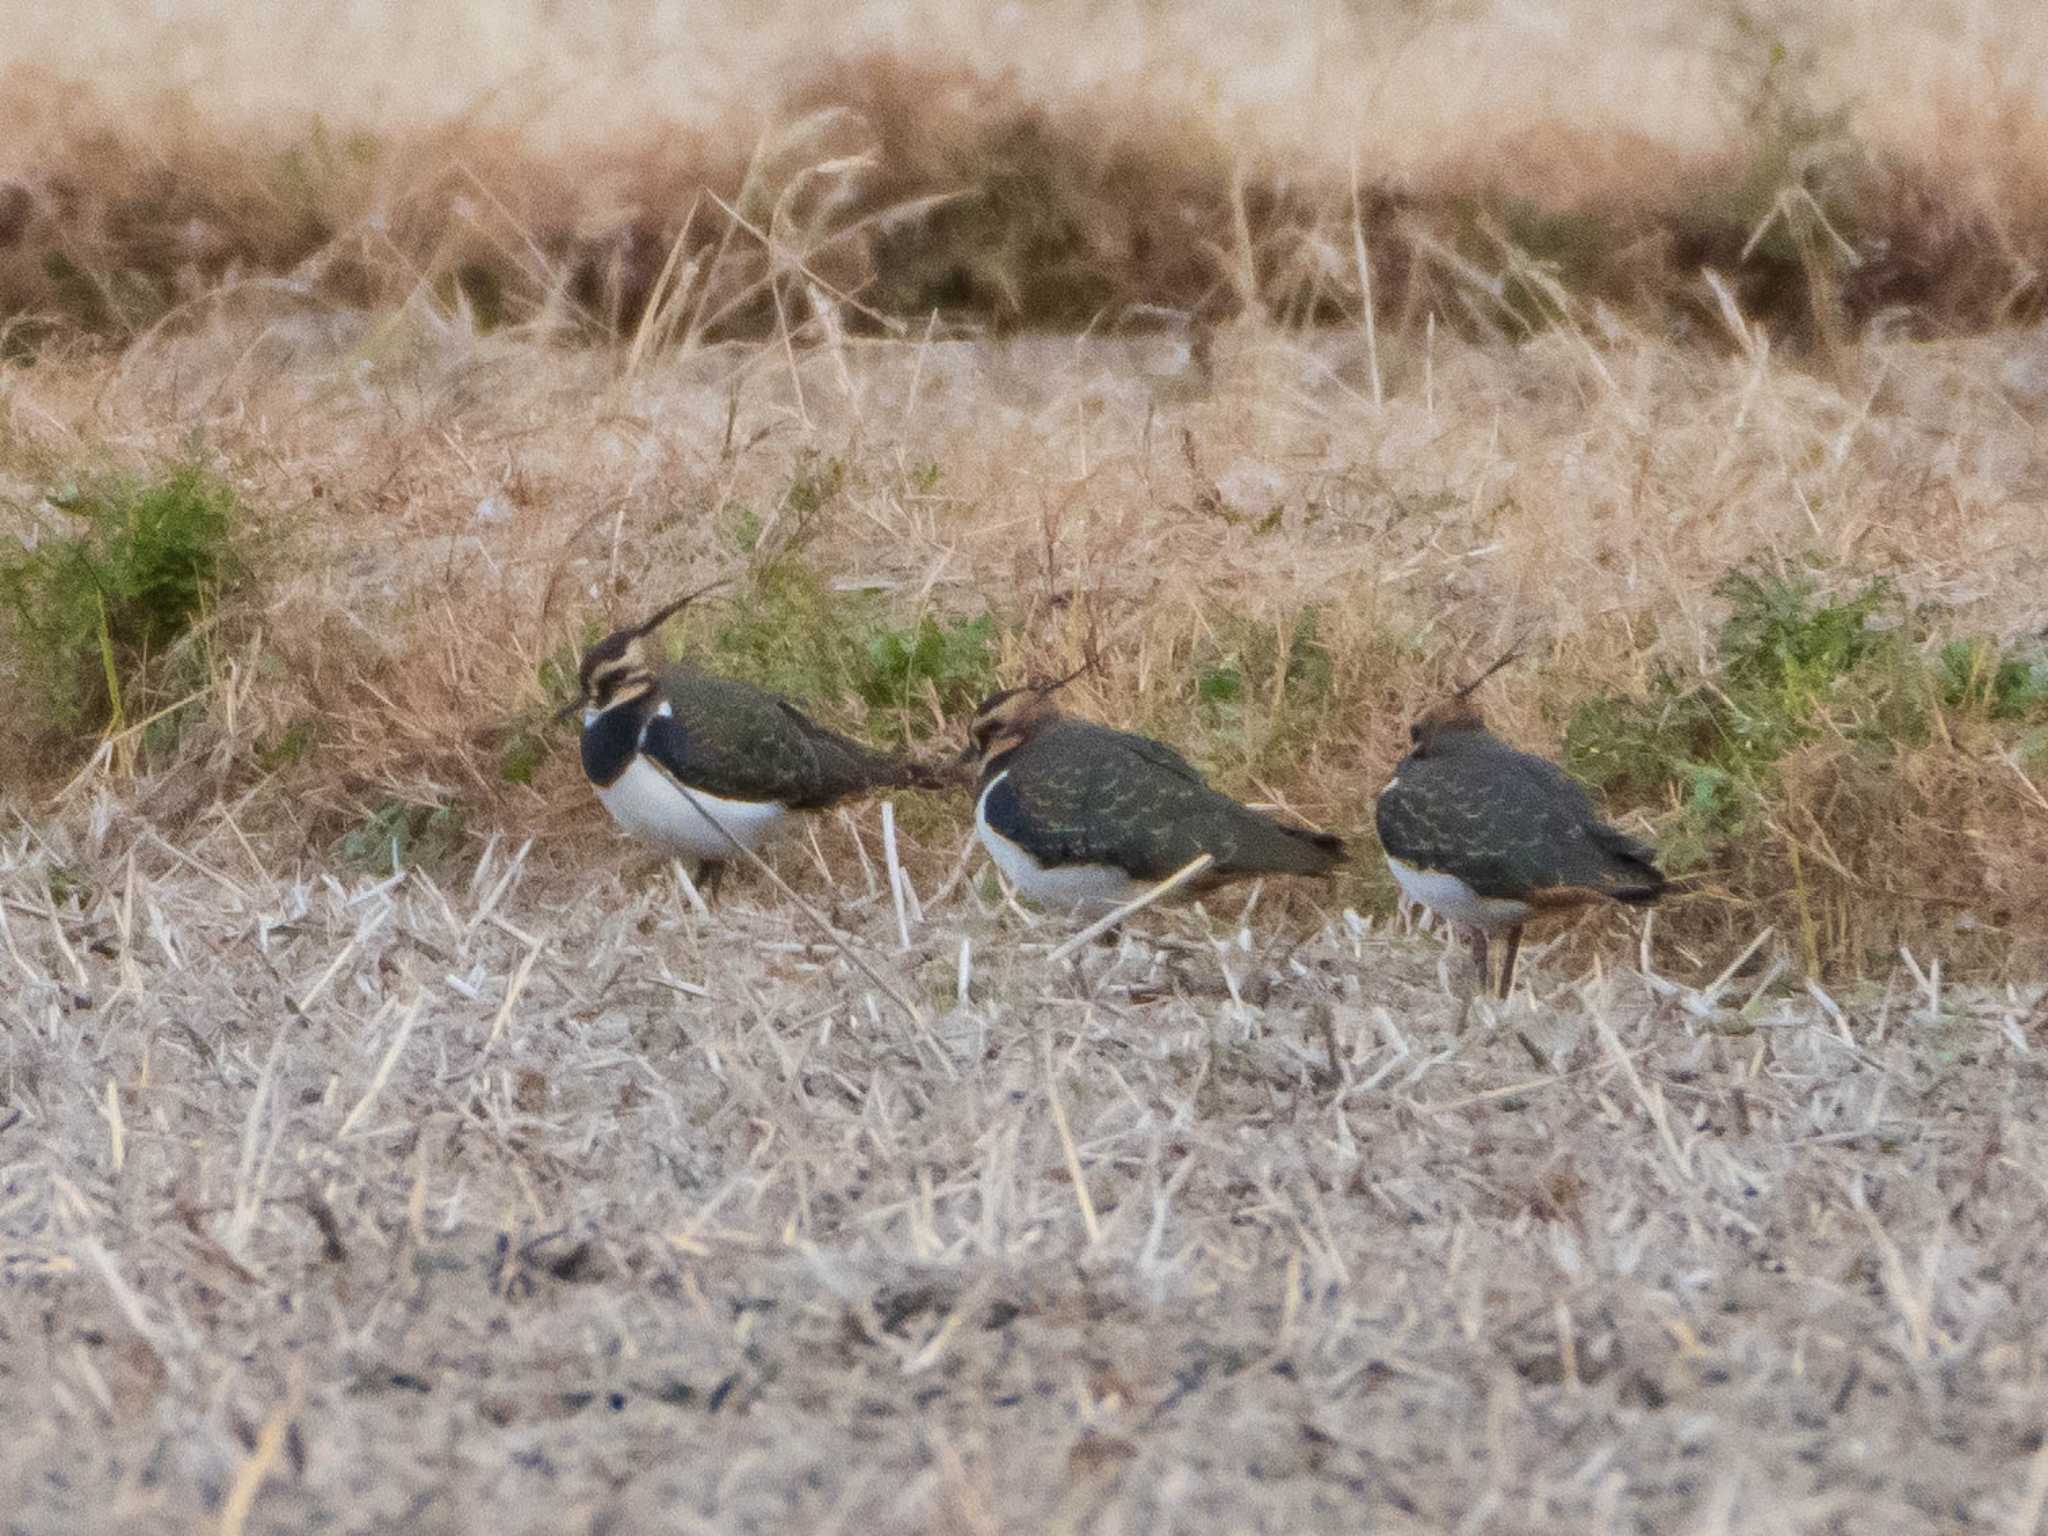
568	709
967	755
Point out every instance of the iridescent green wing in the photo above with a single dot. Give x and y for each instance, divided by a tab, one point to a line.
742	742
1505	823
1086	794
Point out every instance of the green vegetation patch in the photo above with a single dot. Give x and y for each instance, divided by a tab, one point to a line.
788	631
1790	665
96	614
1981	678
952	663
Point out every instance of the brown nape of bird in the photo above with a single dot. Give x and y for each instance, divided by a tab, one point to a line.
1082	817
704	766
1492	838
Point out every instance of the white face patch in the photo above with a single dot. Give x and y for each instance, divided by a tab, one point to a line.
646	802
1450	897
1068	888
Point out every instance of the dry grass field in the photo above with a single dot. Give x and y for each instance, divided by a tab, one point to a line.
384	1144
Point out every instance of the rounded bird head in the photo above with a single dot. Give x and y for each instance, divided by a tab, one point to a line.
1458	716
1005	721
615	669
610	668
1008	718
1442	723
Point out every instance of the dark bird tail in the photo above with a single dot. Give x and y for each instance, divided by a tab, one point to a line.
909	772
1632	875
862	769
1301	851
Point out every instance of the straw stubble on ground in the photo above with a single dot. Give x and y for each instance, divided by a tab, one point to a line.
537	1202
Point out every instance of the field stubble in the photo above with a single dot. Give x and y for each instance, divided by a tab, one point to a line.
534	1200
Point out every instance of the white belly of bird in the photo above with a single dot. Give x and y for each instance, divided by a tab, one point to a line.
1069	887
1450	897
647	803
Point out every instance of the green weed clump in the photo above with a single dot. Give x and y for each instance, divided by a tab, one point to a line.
785	631
526	738
1982	678
949	664
1791	667
99	615
521	757
788	631
1709	746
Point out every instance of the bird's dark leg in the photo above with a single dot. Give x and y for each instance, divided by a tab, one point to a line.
1476	939
1507	962
710	876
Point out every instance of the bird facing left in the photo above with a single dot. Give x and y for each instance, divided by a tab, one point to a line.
1492	838
1081	817
701	766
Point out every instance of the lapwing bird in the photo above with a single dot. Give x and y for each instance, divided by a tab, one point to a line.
677	755
1491	838
1081	817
